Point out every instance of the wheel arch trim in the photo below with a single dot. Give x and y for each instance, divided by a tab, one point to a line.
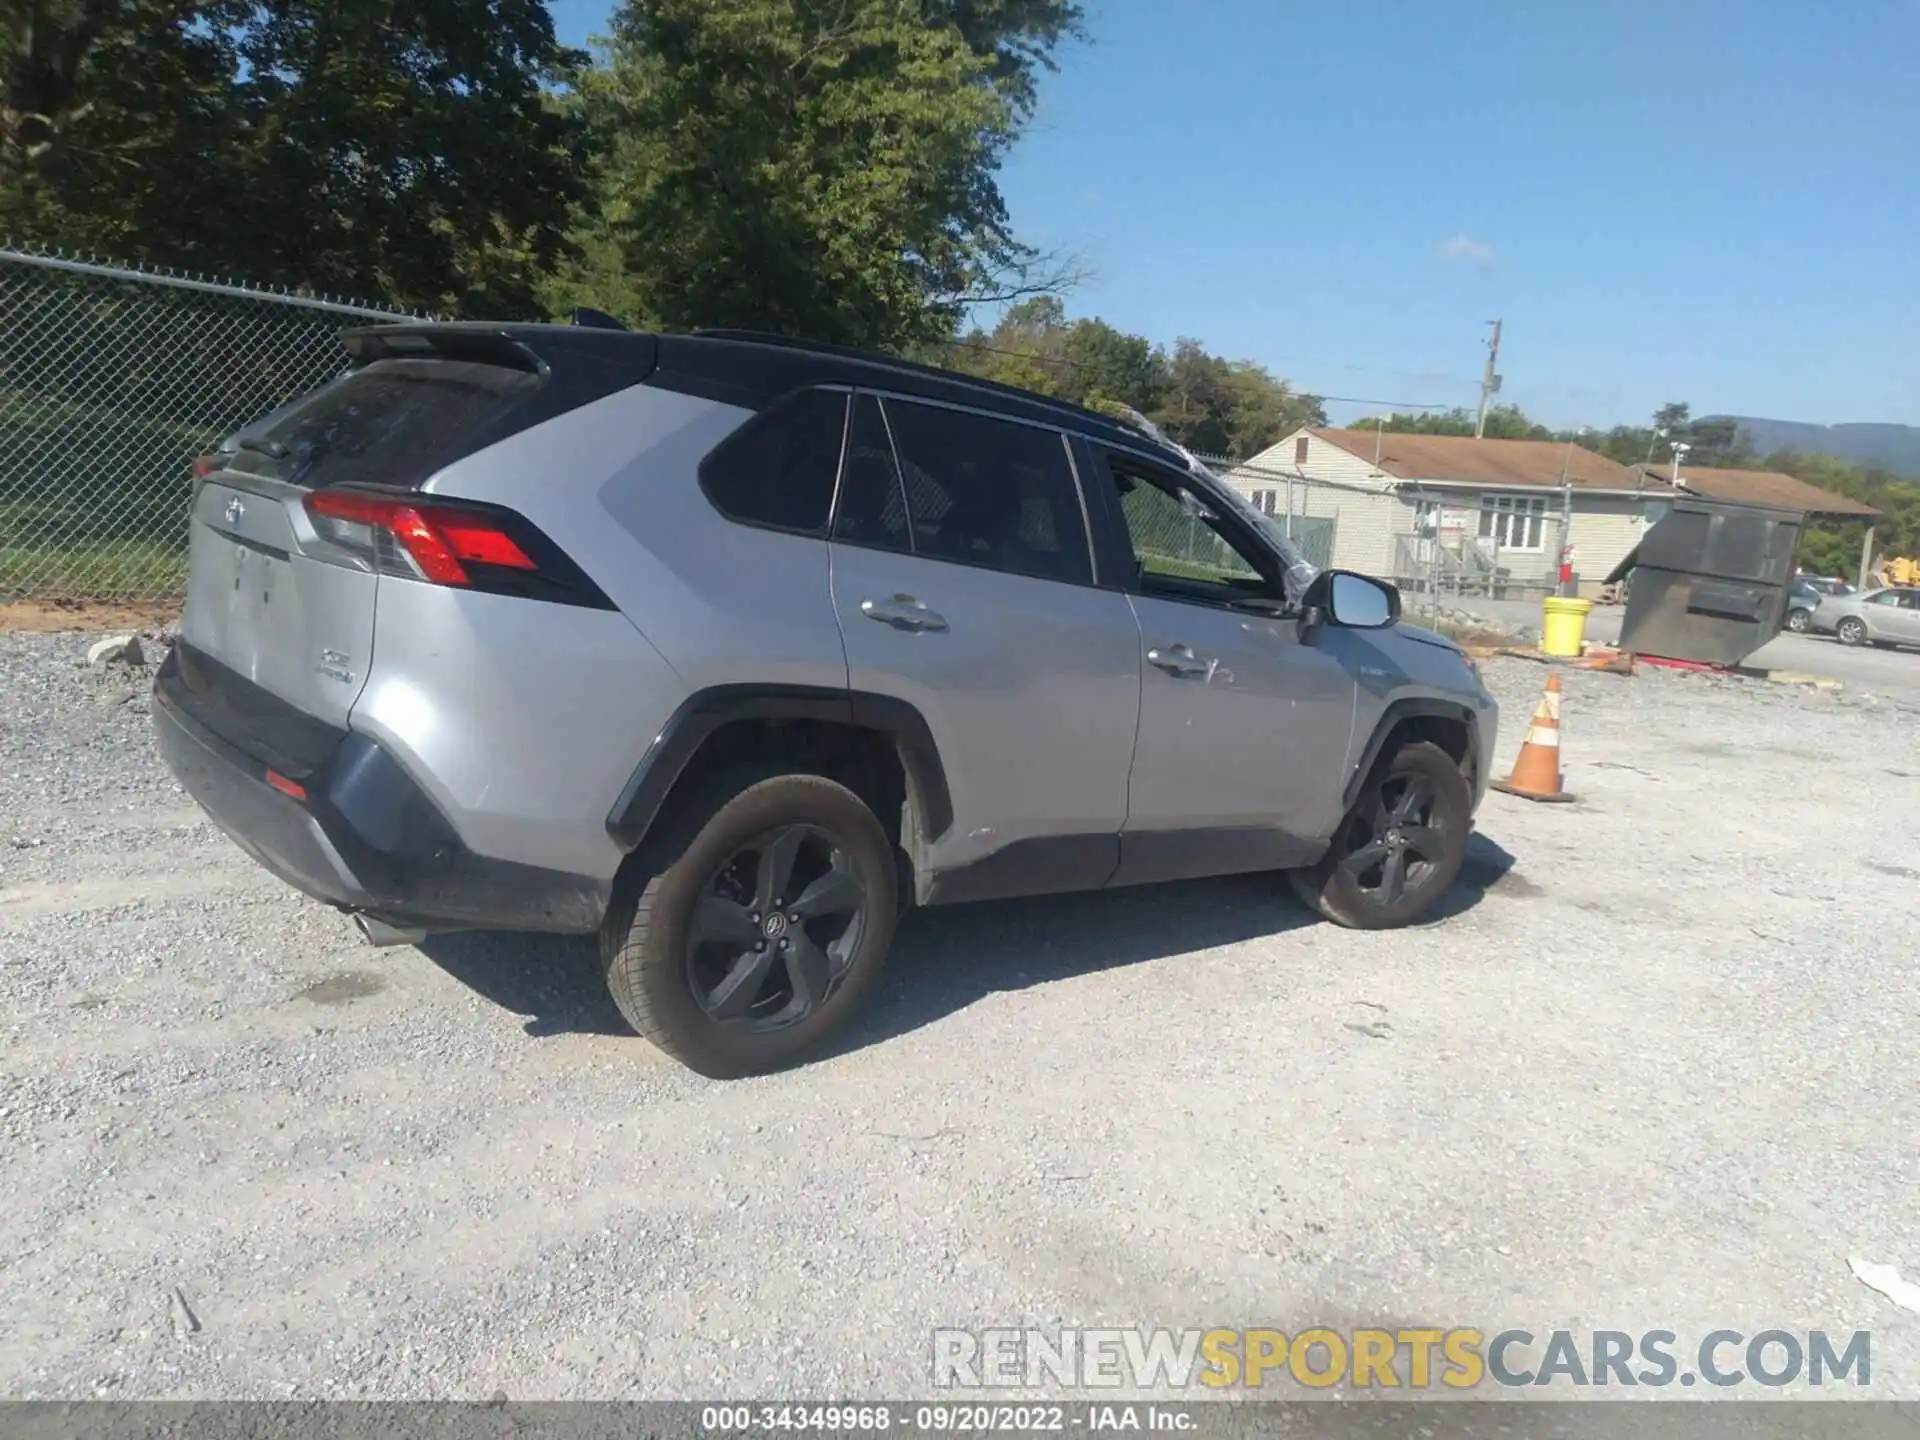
1396	714
706	711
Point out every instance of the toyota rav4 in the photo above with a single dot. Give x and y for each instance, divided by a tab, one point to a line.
728	649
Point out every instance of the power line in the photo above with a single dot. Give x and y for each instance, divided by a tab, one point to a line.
1371	400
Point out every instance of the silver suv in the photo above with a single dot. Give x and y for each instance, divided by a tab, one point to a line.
728	648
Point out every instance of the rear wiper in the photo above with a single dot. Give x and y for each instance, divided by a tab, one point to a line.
272	449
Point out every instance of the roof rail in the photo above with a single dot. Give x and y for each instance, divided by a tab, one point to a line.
875	357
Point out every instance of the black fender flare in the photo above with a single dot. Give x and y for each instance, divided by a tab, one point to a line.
707	710
1398	712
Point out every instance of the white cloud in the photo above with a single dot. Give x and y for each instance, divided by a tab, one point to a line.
1466	248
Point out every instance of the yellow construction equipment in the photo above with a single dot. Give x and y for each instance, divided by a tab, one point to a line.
1900	570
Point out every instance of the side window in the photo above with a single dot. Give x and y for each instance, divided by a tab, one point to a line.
990	492
1885	597
1181	549
873	507
778	469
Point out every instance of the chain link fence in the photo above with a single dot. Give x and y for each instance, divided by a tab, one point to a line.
1288	499
111	381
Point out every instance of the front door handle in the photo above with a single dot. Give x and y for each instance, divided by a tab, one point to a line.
903	612
1179	661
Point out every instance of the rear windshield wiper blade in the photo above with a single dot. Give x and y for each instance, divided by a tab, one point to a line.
272	449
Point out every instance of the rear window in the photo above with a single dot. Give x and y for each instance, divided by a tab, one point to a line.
778	470
394	422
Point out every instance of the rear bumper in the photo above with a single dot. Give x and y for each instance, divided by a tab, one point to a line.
363	835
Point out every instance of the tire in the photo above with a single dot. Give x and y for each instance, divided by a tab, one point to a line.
1335	886
679	922
1799	621
1851	630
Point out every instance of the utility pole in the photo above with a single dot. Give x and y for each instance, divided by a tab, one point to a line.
1490	382
1565	578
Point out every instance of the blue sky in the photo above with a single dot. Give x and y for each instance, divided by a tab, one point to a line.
1713	201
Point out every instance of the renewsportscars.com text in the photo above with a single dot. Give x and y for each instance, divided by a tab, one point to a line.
1400	1358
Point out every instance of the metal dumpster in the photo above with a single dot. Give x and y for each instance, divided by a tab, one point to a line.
1709	582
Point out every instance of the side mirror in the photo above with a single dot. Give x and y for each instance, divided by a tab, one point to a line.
1352	601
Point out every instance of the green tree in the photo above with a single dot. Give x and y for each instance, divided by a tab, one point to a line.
395	150
1504	422
1114	366
1712	444
1215	406
1198	409
1833	547
816	167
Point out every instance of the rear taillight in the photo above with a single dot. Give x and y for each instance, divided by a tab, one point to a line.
470	547
205	465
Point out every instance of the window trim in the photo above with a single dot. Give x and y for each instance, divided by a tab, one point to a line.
1508	504
882	400
1086	520
746	427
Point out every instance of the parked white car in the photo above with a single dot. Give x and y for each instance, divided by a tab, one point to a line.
1883	617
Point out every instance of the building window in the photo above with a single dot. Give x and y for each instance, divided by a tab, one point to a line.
1512	522
1265	501
1300	450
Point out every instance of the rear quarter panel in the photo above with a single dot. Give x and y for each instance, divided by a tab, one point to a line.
522	719
616	485
532	717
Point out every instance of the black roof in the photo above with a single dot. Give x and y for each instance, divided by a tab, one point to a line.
740	367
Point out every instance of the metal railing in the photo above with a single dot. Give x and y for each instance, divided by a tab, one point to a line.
111	381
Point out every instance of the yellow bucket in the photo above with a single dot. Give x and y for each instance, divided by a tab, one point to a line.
1564	624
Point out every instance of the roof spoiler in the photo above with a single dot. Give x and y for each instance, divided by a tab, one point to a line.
476	347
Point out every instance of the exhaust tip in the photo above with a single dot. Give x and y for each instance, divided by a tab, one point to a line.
379	933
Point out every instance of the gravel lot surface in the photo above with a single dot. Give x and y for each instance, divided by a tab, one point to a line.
1864	669
1655	1066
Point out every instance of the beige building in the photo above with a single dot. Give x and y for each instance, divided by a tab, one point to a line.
1465	515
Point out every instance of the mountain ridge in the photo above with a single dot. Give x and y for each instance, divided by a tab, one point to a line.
1896	447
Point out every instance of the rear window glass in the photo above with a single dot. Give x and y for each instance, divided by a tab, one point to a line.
394	422
779	468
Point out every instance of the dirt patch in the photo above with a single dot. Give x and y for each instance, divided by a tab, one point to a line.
344	988
1515	886
48	616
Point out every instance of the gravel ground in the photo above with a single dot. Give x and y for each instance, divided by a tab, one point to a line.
1653	1067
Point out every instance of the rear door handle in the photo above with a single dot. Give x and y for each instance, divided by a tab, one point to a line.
903	612
1178	660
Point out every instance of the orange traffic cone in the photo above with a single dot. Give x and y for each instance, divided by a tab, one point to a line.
1536	770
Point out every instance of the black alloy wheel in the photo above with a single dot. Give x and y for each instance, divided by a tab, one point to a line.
1397	843
753	921
1399	848
775	929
